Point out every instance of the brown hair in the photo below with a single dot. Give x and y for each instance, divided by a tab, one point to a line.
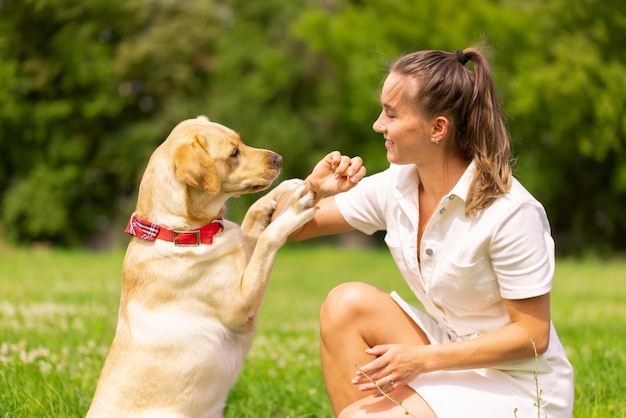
468	98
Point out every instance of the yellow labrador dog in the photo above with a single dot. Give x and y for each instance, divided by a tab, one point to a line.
193	283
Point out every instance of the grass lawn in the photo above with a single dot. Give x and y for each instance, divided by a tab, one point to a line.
58	313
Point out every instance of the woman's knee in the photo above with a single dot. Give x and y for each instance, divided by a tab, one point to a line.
347	302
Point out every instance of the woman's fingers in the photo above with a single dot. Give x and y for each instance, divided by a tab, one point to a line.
385	384
335	173
350	168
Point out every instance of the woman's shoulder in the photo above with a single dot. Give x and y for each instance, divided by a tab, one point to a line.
519	194
517	200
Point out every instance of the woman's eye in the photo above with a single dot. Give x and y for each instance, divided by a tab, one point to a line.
235	153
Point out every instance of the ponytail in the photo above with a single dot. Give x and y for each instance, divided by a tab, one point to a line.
487	137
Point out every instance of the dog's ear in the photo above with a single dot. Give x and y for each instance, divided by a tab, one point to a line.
195	167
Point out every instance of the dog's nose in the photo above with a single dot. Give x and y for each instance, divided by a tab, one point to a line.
277	160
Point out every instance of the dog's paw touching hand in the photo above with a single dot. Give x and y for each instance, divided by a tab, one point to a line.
298	210
260	213
303	200
300	206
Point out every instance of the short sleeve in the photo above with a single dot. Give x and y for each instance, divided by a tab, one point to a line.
364	207
522	252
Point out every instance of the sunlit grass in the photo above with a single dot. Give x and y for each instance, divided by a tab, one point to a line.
589	310
58	311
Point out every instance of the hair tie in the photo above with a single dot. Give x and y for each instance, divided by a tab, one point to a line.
461	56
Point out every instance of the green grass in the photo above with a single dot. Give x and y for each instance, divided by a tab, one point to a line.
58	312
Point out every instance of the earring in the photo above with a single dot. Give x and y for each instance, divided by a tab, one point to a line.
436	141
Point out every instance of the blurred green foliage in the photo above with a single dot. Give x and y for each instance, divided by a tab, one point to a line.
88	90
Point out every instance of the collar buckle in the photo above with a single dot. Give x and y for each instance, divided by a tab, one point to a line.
195	233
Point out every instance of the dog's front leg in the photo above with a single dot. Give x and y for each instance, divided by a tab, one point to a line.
260	213
247	303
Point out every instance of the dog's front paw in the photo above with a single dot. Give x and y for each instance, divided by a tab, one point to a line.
260	213
263	208
298	211
284	187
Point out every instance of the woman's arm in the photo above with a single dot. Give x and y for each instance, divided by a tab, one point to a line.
528	331
327	221
530	325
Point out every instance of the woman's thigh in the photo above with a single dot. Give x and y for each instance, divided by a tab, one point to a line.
401	403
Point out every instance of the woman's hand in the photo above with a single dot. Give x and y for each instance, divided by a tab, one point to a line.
395	365
334	174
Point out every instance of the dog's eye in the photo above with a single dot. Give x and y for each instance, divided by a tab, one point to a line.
235	153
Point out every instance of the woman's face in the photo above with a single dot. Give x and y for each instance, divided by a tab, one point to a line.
408	135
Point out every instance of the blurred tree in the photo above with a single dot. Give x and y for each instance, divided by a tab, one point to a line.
567	105
58	97
89	89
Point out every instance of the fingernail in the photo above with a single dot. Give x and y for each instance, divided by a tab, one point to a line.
350	173
355	381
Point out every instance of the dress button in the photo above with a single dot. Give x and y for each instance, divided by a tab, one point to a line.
442	211
429	251
451	197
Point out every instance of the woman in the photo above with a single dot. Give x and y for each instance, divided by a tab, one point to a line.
471	242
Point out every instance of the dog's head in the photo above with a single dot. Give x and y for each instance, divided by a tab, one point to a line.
198	167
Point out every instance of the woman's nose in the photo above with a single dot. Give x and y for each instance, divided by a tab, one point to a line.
378	126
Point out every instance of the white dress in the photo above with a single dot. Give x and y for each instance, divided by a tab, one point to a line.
468	265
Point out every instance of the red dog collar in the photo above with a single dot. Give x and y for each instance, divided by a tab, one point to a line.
146	230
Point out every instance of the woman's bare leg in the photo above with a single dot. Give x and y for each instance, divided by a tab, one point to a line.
356	316
404	400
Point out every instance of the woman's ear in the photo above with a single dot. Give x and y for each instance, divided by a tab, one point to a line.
440	127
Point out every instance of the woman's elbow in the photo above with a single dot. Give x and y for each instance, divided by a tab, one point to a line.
541	341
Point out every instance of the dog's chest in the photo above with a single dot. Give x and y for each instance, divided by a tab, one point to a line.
178	325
